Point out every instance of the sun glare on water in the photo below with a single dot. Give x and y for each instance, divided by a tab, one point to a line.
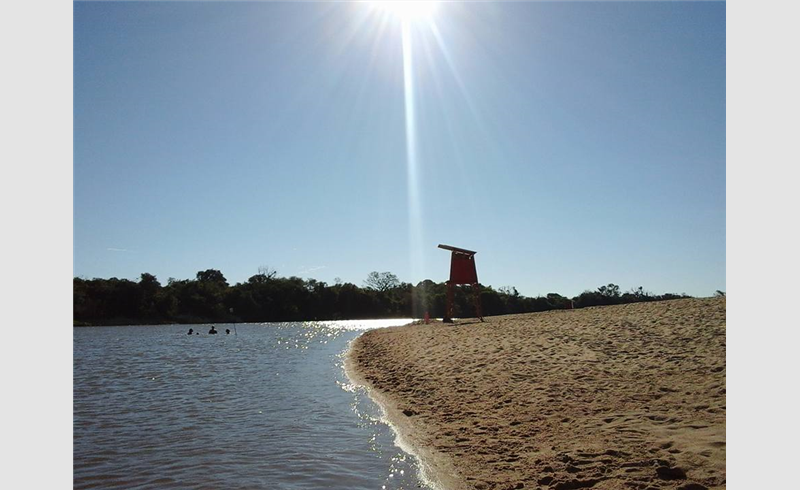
408	10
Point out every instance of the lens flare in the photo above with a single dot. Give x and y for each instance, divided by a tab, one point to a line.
414	198
414	17
407	10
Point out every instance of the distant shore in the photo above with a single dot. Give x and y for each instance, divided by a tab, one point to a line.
626	396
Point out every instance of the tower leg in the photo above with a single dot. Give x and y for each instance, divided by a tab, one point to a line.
448	309
476	291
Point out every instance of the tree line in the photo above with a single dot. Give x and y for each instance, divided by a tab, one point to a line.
266	297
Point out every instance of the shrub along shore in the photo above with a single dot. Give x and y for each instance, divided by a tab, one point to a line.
266	297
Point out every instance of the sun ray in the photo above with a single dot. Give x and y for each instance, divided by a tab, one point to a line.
407	10
411	14
414	199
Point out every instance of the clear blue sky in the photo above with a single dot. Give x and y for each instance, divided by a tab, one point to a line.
570	144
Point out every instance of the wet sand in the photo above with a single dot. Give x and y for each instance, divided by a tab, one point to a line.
616	397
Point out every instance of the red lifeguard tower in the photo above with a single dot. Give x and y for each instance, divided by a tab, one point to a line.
462	271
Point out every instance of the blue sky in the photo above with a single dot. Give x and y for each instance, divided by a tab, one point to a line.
571	144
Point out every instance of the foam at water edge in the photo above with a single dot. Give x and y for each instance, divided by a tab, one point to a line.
424	472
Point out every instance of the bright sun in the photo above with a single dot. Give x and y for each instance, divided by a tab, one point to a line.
408	10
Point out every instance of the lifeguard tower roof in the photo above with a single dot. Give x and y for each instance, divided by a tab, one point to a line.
457	250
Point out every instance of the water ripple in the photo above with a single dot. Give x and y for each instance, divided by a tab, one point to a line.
268	407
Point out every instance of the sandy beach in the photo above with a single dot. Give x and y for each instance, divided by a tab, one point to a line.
617	397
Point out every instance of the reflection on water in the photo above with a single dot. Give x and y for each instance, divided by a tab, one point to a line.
266	407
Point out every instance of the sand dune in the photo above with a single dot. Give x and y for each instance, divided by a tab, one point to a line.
629	396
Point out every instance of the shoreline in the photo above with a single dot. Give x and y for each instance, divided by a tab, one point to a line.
625	396
435	468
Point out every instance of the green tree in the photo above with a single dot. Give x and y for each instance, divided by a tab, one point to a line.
149	288
610	291
212	276
381	281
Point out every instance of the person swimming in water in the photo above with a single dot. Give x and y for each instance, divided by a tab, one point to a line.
227	331
190	331
212	331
